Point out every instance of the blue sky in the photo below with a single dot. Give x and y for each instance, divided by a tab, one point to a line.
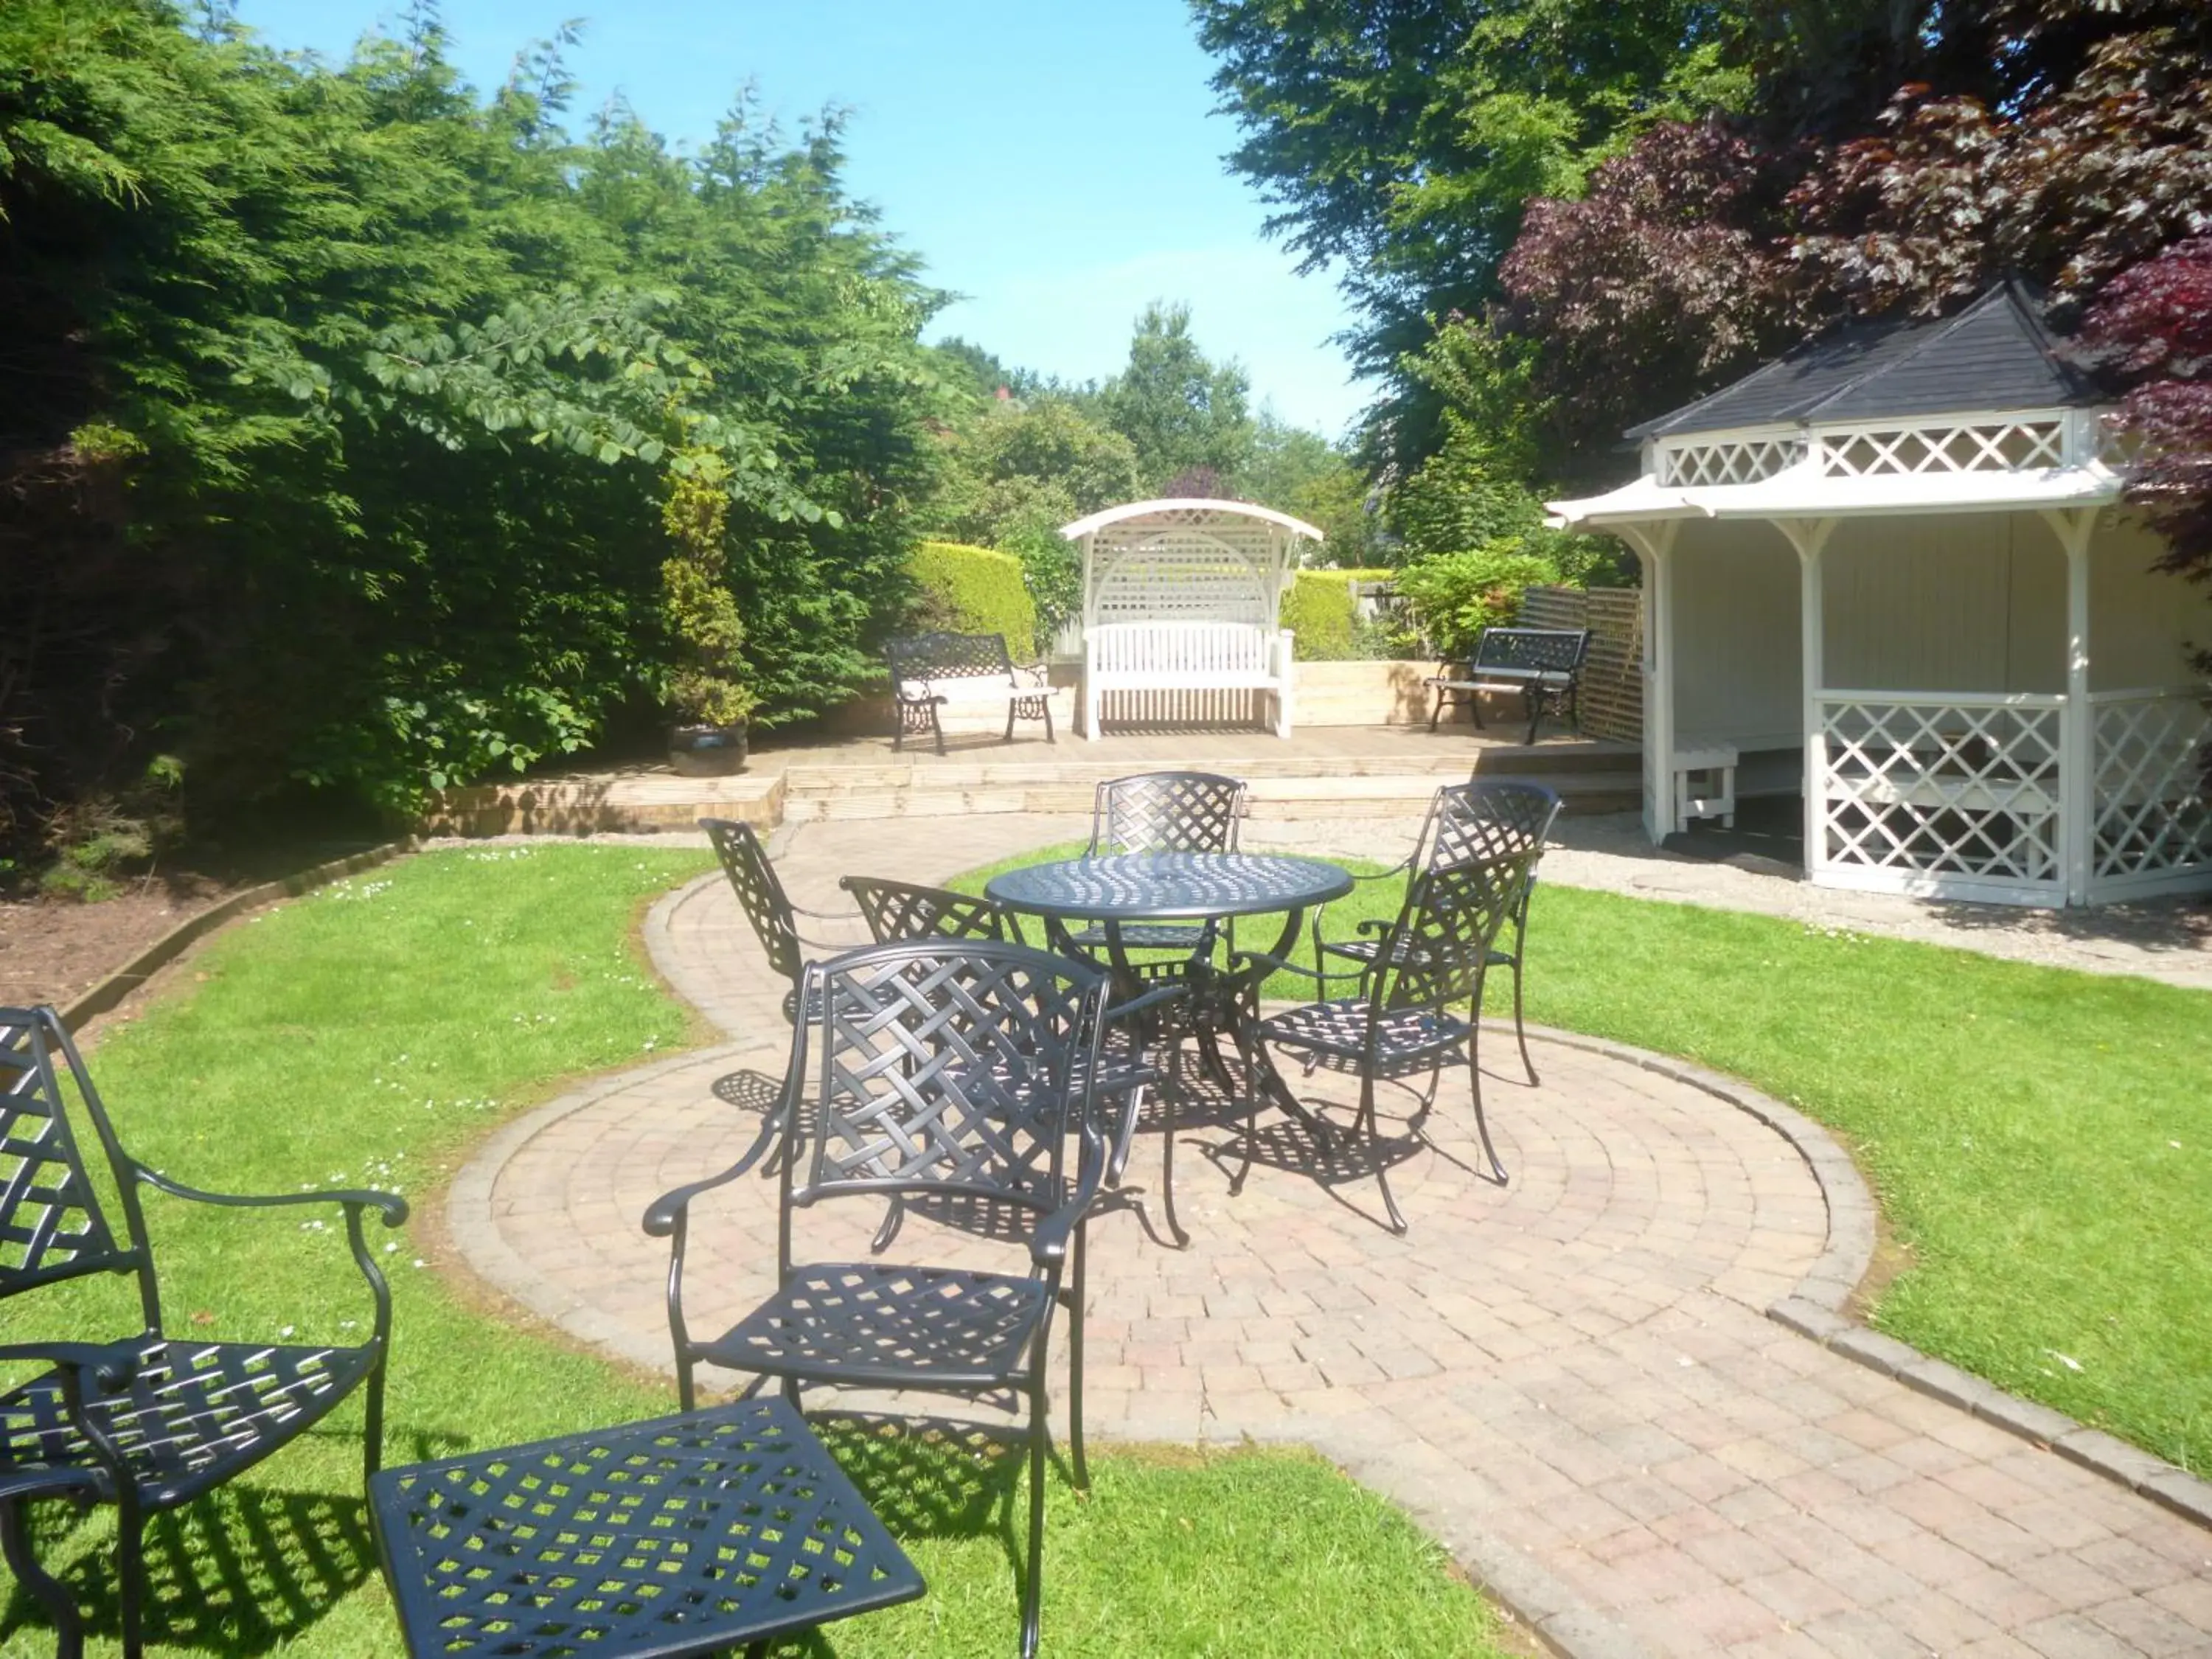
1057	163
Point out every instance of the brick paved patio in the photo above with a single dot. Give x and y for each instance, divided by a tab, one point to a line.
1571	1382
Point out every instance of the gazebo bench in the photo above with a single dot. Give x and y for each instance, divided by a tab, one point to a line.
1186	656
933	671
1543	664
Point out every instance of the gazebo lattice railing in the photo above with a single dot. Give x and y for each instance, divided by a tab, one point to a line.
2037	787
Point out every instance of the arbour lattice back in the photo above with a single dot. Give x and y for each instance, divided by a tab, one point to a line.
1167	812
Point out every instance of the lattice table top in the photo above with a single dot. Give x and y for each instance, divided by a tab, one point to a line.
1169	886
682	1535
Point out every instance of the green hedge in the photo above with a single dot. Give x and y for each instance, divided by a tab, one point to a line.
1319	612
973	590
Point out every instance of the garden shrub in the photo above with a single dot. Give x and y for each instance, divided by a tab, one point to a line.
1320	612
1455	596
974	590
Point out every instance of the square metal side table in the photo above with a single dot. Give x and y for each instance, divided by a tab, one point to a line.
685	1534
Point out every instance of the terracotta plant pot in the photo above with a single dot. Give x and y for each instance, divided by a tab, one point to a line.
707	752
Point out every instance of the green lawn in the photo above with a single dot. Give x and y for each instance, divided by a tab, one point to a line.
371	1034
2041	1139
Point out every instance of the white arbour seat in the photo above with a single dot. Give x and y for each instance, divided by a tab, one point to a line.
1181	601
1169	655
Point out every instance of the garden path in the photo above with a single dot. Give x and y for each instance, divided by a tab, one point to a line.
1572	1383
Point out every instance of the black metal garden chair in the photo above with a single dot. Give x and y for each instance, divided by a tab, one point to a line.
897	910
1482	818
1163	813
144	1422
941	1072
767	906
1430	962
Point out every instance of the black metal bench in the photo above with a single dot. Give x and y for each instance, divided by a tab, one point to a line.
1543	664
929	671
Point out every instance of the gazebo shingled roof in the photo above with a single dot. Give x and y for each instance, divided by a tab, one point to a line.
1994	354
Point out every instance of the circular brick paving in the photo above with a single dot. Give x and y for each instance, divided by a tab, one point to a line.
1570	1380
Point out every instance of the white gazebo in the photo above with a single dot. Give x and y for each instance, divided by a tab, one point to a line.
1182	607
1887	571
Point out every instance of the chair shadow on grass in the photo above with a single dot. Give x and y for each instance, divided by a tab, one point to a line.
924	1478
242	1569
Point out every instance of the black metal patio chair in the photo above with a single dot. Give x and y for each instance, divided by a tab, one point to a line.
1163	813
767	906
945	1072
145	1422
897	910
1431	961
1481	818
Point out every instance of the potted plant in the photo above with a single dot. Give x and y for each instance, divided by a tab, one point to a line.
708	703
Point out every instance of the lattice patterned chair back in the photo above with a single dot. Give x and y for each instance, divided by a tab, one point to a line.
1452	914
753	878
1490	819
897	910
1554	650
951	1068
51	1225
1167	812
946	656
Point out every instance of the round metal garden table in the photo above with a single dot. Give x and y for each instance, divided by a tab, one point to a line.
1125	894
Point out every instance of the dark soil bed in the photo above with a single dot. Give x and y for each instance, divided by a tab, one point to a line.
55	950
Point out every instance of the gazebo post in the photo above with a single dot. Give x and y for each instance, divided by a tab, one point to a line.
2077	733
1654	540
1810	538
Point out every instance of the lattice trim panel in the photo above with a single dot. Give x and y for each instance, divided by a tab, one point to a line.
1997	446
1736	462
1183	573
1935	788
2152	817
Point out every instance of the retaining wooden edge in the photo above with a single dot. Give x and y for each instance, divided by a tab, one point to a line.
110	992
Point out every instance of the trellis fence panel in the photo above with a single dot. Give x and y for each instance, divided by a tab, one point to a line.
1612	676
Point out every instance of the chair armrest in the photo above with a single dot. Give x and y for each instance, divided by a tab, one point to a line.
1039	672
664	1212
1277	964
1137	1005
389	1206
110	1364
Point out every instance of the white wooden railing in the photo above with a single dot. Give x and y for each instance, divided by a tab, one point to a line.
1946	795
2153	826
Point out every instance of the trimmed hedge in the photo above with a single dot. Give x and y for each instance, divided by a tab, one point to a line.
974	590
1319	612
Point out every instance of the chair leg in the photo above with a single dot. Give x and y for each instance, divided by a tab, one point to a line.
1398	1224
1033	1581
687	1391
1167	1169
1075	1369
894	1217
372	1433
1045	704
1481	1123
49	1592
937	726
131	1570
1520	1027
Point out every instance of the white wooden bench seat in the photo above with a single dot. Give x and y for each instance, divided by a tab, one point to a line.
1176	655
